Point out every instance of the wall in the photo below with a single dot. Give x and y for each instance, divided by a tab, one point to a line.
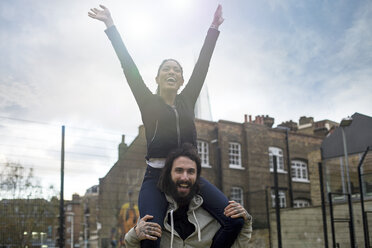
303	227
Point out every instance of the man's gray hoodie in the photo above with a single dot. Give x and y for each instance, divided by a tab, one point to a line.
205	229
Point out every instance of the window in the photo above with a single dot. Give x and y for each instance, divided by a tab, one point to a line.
274	151
301	203
282	200
69	218
236	194
203	151
299	171
235	160
69	207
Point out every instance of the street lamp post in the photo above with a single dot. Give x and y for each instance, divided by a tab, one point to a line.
345	122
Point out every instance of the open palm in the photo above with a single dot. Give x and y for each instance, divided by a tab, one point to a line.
102	15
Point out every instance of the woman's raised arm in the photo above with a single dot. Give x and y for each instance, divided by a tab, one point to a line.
196	81
134	79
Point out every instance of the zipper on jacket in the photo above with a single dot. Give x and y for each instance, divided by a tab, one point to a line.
177	126
156	129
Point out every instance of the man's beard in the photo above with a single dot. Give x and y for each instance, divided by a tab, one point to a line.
180	199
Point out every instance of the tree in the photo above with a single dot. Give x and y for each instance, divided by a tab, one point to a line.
26	217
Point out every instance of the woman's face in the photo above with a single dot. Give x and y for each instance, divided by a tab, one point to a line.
170	76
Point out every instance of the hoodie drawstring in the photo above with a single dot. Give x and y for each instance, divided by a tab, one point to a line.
197	224
172	228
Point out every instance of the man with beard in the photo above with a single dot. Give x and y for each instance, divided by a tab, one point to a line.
186	223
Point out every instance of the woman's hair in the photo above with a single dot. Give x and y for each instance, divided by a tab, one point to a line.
162	63
166	60
186	150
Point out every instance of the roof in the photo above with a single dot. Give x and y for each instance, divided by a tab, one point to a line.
358	138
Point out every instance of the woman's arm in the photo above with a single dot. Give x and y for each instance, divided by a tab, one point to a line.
135	81
192	89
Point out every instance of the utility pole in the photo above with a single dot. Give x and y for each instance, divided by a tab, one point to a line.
61	240
277	202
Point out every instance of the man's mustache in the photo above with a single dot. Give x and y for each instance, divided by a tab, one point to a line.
179	182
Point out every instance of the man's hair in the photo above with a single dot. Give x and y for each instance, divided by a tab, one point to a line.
186	150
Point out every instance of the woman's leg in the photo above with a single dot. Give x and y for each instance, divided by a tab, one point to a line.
214	201
153	202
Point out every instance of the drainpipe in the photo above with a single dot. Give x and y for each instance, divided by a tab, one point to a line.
219	183
289	169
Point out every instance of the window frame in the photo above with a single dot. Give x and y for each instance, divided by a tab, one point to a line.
282	199
306	203
297	171
203	152
235	157
234	191
275	151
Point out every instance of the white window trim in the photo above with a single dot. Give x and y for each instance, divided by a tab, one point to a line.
200	152
301	201
282	196
236	166
274	151
297	180
295	177
241	196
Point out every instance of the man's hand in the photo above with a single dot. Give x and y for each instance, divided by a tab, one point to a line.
103	15
148	230
217	19
235	210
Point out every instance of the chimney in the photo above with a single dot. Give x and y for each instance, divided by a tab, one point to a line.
289	124
268	121
122	147
245	118
250	118
264	120
306	120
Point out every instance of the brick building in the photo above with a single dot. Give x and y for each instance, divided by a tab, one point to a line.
89	218
73	220
236	157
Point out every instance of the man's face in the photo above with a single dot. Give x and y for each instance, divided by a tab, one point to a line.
183	175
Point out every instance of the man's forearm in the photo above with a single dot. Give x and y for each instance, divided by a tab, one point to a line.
244	235
131	239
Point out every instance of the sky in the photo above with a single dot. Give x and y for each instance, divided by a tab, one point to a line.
282	58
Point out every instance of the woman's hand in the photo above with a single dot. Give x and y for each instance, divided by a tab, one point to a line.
103	15
235	210
217	19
